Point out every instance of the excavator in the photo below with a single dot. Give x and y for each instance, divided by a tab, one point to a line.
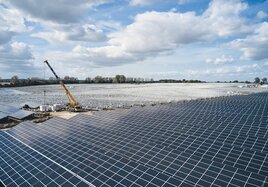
73	105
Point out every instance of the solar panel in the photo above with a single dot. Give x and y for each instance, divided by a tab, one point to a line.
220	142
21	114
13	111
65	150
2	115
22	166
106	140
5	108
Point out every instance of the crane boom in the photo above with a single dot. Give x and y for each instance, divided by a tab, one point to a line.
72	102
57	77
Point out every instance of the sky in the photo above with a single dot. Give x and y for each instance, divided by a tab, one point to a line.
173	39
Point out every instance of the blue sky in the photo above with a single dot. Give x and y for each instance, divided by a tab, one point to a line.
171	39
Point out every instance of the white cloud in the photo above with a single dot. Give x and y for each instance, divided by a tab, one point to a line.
105	56
150	35
163	73
221	60
72	33
148	2
109	25
157	33
11	22
5	36
74	65
16	58
61	21
223	17
261	14
225	70
15	51
254	47
182	2
140	2
60	11
160	31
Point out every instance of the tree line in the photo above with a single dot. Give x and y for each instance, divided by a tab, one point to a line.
180	81
257	80
15	81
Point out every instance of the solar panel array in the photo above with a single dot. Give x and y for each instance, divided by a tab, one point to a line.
12	111
219	142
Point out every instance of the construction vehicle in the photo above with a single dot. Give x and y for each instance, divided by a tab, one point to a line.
73	105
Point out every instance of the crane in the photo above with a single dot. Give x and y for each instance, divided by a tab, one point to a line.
73	104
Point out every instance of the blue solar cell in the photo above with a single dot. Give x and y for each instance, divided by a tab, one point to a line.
13	111
217	141
8	109
21	114
12	162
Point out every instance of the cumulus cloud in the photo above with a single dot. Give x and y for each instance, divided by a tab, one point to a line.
221	60
225	70
149	35
223	17
61	20
15	51
11	22
233	69
160	31
148	2
254	47
60	11
74	65
157	33
16	57
105	56
86	32
261	15
72	32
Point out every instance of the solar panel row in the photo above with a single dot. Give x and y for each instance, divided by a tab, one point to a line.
219	142
190	146
23	166
172	131
21	114
13	111
81	157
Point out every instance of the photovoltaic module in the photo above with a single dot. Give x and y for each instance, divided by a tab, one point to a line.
213	142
